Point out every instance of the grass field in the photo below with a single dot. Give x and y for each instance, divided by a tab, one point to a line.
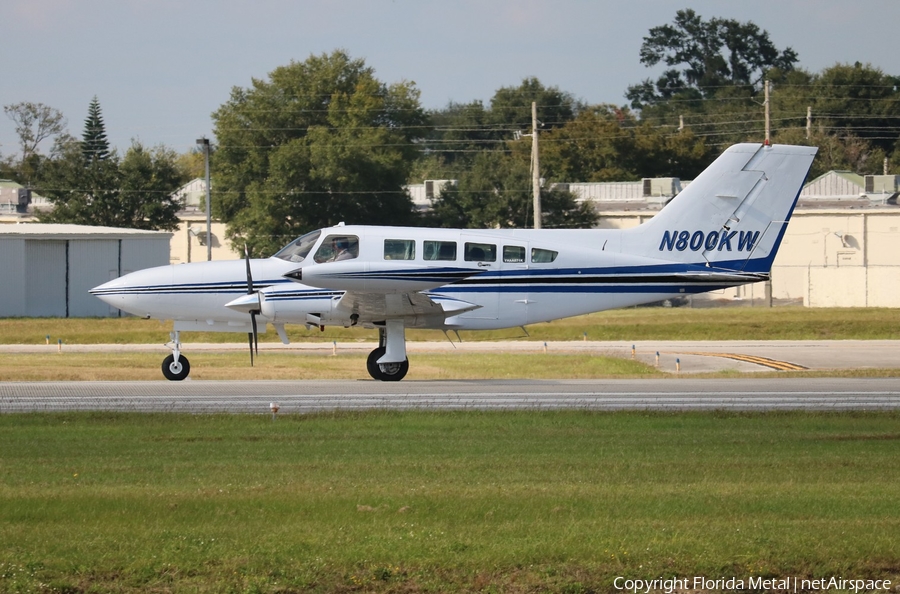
70	366
646	323
77	366
435	502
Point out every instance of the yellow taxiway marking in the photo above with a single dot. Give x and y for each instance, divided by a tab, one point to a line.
764	361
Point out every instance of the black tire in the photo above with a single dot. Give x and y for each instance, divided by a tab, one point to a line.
389	372
176	371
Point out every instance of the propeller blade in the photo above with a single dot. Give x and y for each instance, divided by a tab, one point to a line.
252	337
255	332
249	276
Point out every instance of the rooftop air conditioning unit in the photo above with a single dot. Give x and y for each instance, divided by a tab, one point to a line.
24	200
882	184
434	187
661	186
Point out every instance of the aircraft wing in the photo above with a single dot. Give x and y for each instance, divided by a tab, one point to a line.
373	307
380	277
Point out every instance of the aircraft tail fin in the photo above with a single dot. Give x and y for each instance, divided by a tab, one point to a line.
733	215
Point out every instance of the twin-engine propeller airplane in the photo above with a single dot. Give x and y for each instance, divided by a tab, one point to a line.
723	230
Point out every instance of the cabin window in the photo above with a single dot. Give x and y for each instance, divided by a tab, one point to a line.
539	256
514	254
399	249
440	250
336	248
481	252
297	250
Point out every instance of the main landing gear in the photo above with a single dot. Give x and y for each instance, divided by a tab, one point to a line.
391	340
391	346
176	366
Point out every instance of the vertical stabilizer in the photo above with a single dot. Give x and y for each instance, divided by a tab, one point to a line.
733	215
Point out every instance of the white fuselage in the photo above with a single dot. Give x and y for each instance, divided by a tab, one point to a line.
530	276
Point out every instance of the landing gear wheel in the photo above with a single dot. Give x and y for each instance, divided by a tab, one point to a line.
176	371
386	372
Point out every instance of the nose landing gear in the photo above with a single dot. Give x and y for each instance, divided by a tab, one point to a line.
176	366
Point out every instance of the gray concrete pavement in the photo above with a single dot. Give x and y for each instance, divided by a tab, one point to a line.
674	394
694	356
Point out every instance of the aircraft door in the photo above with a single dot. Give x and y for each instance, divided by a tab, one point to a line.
514	297
484	255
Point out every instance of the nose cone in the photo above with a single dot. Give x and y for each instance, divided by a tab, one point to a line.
141	281
136	292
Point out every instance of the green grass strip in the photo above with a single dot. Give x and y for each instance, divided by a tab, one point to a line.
436	502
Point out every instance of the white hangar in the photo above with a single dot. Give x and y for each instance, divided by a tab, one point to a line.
47	270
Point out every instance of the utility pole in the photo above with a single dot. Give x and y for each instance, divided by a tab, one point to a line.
535	167
204	144
808	121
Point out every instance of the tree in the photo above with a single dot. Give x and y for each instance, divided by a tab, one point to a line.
496	193
860	100
83	183
94	144
511	106
462	130
34	122
82	192
607	143
840	153
89	185
459	131
320	142
148	179
705	56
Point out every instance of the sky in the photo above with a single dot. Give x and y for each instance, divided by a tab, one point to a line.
159	68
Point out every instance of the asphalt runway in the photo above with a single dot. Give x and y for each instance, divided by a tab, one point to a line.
676	394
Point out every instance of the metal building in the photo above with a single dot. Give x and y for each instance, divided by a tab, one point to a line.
47	270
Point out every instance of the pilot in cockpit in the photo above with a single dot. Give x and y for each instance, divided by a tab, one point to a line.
342	249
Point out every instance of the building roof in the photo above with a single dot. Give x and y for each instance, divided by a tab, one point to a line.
835	185
59	231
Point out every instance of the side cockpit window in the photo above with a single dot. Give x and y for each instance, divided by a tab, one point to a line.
336	248
539	256
297	250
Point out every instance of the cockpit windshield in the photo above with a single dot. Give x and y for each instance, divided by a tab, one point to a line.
297	250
